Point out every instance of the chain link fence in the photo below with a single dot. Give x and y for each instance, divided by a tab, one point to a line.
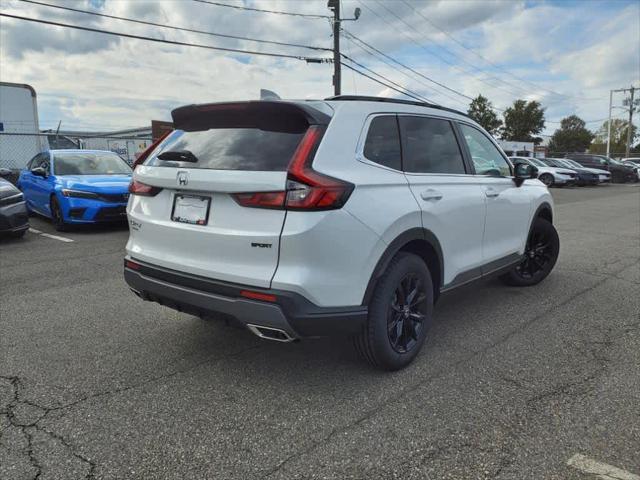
16	149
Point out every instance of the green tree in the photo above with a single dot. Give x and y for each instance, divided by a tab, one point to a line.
522	121
572	136
481	110
618	137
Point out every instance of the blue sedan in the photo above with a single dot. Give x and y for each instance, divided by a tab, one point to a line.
76	186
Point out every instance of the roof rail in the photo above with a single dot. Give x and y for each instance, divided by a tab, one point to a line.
365	98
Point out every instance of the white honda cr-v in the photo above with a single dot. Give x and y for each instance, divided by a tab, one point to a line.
348	216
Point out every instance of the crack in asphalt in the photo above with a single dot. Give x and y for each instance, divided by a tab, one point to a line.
28	428
371	412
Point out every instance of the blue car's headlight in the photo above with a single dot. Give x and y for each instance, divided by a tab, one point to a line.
78	193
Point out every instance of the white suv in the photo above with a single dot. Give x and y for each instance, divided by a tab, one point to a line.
346	216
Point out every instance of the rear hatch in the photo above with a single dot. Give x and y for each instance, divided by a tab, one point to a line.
185	213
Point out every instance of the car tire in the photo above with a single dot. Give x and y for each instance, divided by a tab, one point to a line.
541	254
57	216
547	179
398	319
18	234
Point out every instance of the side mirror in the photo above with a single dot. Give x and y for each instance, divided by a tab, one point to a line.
524	171
39	171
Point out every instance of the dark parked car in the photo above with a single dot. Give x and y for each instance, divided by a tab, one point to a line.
619	171
585	177
14	219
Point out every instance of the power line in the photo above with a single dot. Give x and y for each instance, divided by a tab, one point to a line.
170	42
183	29
441	58
382	59
380	82
486	59
397	62
238	7
415	94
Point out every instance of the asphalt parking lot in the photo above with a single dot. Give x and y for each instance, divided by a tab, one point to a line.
513	382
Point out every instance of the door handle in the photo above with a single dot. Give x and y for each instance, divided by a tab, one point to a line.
431	194
491	193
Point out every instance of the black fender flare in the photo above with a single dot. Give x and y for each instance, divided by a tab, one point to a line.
394	247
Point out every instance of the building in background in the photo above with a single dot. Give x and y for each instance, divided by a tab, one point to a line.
19	128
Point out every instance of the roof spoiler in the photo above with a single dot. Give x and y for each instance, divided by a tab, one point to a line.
267	115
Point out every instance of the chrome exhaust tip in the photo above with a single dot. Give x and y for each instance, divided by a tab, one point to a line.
270	333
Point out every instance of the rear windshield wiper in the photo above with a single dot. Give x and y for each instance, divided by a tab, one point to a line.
178	156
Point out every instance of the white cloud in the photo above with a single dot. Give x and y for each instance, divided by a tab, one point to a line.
93	79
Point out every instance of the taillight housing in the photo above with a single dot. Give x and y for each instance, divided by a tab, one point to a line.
142	189
306	189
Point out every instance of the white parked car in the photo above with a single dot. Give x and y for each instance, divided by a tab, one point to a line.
550	176
634	162
348	216
604	176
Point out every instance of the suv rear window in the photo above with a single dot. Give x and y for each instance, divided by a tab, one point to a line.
251	149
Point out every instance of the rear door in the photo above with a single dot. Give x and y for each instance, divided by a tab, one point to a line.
194	222
452	201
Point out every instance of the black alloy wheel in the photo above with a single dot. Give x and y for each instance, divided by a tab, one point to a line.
406	314
540	255
400	313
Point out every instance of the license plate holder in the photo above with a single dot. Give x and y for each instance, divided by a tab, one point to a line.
191	209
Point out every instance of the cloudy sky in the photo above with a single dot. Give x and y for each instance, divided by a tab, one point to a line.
566	54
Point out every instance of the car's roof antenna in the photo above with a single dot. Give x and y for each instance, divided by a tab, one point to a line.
268	95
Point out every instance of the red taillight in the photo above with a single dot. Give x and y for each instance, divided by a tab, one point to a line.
306	189
142	189
132	265
258	296
261	199
145	154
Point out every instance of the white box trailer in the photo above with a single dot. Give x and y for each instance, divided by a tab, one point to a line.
20	137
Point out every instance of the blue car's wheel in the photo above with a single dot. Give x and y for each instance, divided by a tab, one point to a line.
57	216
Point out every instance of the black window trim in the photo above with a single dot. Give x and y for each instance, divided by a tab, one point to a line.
467	152
466	158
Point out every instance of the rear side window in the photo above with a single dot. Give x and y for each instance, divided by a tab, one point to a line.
382	145
429	146
229	149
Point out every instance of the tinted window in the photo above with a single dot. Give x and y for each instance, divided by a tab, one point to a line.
230	149
88	163
429	146
42	161
487	159
383	142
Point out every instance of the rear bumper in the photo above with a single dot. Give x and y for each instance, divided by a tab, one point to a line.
204	297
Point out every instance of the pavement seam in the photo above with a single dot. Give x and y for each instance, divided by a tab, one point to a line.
370	413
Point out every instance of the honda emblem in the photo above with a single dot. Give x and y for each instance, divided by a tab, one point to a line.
183	178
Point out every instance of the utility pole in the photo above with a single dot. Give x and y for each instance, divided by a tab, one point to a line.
630	126
609	123
337	73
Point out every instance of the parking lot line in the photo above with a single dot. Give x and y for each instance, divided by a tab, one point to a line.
48	235
56	237
600	470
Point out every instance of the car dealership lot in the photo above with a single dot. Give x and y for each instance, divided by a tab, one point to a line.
513	382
